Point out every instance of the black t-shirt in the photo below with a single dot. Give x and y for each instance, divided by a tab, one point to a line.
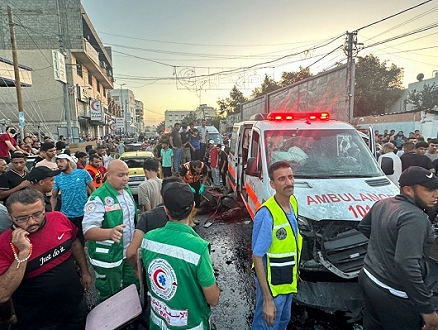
152	219
11	179
184	138
176	139
414	159
223	158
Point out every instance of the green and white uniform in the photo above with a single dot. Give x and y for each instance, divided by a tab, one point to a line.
107	208
178	265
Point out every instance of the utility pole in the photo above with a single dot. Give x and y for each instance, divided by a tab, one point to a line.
122	106
69	79
350	46
16	73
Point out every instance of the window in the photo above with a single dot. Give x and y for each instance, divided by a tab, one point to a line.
98	87
79	69
90	79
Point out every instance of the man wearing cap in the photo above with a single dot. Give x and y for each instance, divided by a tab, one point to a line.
179	272
395	267
16	178
42	178
108	225
72	184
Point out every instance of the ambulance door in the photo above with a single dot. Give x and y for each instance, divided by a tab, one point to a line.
233	158
253	176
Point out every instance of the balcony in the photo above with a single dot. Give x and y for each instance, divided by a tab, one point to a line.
89	57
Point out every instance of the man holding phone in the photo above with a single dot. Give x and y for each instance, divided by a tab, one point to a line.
8	144
37	266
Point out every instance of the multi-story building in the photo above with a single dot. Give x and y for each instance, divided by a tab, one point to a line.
205	112
171	117
139	116
126	100
49	34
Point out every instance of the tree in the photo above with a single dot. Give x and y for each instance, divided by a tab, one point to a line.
190	118
377	86
289	78
161	126
231	104
268	85
426	99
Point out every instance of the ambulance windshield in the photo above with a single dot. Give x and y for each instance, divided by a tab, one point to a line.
327	153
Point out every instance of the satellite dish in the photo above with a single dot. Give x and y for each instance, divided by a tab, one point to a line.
420	77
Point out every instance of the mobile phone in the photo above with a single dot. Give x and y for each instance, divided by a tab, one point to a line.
13	227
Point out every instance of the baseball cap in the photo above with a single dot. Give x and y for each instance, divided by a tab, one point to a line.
41	172
414	175
178	197
65	156
211	141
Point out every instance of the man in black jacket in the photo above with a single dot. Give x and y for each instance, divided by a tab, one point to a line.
400	236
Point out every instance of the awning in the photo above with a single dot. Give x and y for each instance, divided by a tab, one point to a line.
7	77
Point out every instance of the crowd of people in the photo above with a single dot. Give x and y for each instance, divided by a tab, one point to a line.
397	152
62	202
65	202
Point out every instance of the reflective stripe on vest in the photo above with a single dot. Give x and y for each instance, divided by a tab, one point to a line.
282	258
97	175
190	177
171	251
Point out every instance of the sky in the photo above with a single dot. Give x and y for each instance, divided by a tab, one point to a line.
157	45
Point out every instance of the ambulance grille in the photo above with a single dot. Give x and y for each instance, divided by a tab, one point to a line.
378	182
346	250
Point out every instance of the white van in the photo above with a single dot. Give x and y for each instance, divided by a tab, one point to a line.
213	134
337	180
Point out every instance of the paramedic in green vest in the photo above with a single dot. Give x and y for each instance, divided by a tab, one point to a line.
109	223
179	272
276	246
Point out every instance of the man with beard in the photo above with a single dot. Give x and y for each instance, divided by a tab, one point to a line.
73	184
395	267
37	266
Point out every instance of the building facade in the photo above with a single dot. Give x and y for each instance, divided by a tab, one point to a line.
171	117
48	34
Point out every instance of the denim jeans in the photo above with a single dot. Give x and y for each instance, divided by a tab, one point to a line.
283	304
177	159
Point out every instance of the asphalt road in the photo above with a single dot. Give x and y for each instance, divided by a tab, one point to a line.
231	254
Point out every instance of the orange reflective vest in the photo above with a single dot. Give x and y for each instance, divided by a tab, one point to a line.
190	177
95	175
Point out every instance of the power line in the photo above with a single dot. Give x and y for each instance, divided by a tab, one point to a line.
391	16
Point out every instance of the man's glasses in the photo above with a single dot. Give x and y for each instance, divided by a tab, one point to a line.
23	218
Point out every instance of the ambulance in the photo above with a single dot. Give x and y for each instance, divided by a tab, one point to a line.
337	180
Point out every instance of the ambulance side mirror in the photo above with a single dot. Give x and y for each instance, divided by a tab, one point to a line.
252	167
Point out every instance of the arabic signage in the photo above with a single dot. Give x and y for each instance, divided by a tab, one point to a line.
95	110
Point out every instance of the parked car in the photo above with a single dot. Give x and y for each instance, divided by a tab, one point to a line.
135	160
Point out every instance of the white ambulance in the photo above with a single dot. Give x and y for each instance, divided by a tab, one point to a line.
337	180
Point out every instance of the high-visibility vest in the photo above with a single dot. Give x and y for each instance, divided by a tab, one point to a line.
190	177
97	176
283	257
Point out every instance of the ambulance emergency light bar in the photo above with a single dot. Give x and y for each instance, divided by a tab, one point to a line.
280	116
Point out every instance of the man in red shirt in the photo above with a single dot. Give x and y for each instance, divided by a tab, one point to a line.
214	163
8	143
37	266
